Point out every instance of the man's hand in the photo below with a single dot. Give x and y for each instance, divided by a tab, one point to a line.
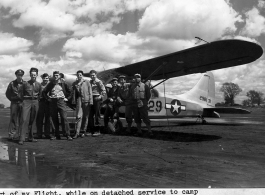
119	100
110	99
65	99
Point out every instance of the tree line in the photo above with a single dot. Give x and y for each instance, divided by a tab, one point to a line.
231	90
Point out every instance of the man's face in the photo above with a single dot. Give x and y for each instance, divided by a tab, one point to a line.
56	77
79	76
137	79
45	79
93	76
122	81
33	75
114	83
19	76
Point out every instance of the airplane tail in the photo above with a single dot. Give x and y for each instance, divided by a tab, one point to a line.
204	91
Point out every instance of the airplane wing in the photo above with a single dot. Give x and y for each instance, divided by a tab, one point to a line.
207	57
227	110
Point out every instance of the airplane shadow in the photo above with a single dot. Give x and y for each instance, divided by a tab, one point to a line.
177	136
208	123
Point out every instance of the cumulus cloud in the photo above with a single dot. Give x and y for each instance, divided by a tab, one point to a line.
255	23
13	45
170	19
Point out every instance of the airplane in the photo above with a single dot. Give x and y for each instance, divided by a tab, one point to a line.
200	100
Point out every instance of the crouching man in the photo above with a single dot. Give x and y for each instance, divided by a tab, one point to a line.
112	104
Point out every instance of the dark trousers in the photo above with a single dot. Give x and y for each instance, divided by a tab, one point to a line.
43	114
139	113
93	119
109	113
15	116
29	108
59	106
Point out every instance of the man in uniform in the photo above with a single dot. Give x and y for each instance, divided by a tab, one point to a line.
111	101
14	94
57	92
140	95
98	92
83	99
124	100
43	112
31	94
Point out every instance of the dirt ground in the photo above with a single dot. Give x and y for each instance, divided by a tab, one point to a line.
225	153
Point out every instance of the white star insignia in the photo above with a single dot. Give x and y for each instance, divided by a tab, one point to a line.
176	107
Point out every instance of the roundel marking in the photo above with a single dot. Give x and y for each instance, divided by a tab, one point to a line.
175	107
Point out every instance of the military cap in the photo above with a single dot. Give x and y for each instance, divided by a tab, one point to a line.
56	72
19	71
137	75
114	79
121	76
34	70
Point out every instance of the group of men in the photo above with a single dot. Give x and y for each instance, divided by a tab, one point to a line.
43	101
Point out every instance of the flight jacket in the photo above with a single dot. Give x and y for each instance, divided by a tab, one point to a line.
14	92
85	92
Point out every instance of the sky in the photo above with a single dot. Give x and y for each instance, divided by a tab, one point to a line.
71	35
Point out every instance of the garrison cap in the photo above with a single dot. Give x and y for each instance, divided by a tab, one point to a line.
114	79
19	71
56	72
137	75
121	76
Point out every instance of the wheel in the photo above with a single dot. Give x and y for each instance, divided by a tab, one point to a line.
204	121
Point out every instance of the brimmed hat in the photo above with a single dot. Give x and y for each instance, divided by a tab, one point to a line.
19	71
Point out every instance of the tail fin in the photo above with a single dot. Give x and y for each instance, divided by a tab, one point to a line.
204	91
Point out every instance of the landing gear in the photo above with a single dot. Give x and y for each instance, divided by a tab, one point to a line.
200	117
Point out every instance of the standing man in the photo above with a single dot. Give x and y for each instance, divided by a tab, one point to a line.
15	96
140	94
124	100
82	97
57	92
111	101
31	94
43	112
98	92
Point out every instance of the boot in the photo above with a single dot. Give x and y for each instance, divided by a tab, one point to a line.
139	130
150	133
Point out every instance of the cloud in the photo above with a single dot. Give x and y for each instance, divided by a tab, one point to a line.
255	23
261	4
170	19
13	45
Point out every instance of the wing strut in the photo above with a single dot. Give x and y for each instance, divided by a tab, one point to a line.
155	71
159	83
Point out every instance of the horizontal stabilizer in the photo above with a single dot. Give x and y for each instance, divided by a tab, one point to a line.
227	110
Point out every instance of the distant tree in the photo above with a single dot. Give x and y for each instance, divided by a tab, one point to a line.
246	102
255	97
2	106
230	90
